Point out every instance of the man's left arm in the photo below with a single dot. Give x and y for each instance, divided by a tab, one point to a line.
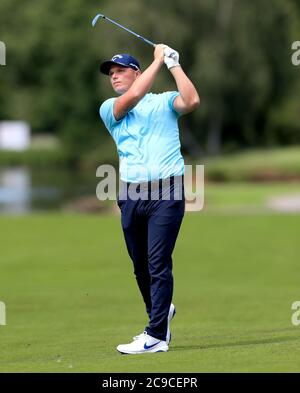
188	98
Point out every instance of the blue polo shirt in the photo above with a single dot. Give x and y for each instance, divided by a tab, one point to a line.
147	138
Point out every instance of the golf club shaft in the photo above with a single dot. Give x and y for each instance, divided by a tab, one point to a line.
124	28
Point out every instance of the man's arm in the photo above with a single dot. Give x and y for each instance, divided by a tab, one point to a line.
140	86
188	98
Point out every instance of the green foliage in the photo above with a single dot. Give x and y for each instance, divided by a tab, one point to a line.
237	53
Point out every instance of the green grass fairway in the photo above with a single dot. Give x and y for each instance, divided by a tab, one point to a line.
71	297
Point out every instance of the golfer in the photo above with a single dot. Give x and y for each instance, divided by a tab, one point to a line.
151	197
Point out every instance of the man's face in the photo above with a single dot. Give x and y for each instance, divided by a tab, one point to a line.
122	78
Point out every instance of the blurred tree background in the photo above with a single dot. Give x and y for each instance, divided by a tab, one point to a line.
237	53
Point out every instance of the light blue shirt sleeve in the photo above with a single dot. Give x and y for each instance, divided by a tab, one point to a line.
170	96
107	114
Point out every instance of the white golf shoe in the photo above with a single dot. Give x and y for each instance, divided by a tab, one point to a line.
143	343
172	312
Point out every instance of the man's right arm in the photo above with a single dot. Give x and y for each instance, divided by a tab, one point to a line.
140	86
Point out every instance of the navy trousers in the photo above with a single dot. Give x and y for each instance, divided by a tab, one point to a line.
151	218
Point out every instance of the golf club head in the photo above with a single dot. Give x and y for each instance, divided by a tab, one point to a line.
96	18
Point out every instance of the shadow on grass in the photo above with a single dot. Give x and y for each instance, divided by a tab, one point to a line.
238	343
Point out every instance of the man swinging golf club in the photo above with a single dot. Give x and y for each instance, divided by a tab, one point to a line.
145	130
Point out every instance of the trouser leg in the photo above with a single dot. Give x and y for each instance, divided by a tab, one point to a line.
163	229
135	231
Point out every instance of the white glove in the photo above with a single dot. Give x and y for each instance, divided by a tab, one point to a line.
171	58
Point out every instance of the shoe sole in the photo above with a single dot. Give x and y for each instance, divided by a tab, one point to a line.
160	348
171	315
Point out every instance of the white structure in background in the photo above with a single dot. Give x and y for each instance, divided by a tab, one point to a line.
14	135
15	191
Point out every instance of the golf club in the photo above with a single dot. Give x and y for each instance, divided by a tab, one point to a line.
122	27
125	28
